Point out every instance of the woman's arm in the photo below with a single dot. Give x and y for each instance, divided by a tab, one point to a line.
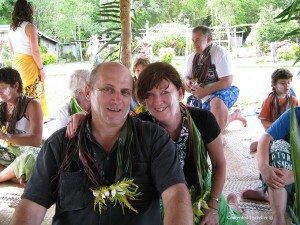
216	154
34	136
31	32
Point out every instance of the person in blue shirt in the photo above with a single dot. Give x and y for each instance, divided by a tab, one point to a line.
275	166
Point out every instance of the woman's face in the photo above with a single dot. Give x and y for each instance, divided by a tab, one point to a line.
163	101
6	92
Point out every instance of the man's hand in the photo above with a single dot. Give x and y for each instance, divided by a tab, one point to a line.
288	176
273	177
188	85
200	92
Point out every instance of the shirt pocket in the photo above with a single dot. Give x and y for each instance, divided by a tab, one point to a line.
73	191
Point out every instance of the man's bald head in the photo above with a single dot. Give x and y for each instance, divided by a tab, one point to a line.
107	68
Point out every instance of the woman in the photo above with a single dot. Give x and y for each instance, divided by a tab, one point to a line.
195	133
21	123
23	39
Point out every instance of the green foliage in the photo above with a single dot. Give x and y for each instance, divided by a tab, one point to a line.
267	30
109	17
291	52
66	20
295	153
264	47
166	54
68	57
49	58
6	7
176	41
292	12
43	49
6	56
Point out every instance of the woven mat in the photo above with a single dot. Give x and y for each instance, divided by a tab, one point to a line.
242	173
10	194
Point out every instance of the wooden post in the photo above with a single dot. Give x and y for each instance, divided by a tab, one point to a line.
126	36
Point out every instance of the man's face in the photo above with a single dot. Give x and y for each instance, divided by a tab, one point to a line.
111	95
200	41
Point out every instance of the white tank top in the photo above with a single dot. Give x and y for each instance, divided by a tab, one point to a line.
19	40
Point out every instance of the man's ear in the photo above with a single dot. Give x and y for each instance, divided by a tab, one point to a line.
87	92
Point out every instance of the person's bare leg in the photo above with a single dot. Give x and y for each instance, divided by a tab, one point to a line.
220	111
257	195
278	201
253	146
6	173
233	202
237	115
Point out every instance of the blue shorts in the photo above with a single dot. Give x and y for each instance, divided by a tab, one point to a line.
229	96
193	101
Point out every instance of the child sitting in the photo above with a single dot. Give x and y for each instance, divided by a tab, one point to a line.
278	100
273	106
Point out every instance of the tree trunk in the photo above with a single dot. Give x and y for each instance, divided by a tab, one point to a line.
126	37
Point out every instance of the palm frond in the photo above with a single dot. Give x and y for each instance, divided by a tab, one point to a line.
295	153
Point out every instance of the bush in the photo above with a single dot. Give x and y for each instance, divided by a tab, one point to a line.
69	57
289	52
43	49
49	58
175	41
166	54
6	56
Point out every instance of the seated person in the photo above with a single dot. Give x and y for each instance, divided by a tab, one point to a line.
275	166
78	102
138	66
273	106
21	122
209	75
113	171
196	136
277	101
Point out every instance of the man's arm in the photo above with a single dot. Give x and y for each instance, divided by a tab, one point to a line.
177	205
223	83
28	213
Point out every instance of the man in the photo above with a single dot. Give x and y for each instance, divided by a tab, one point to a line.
109	148
209	77
275	166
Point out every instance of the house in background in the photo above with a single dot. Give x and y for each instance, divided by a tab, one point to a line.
51	44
